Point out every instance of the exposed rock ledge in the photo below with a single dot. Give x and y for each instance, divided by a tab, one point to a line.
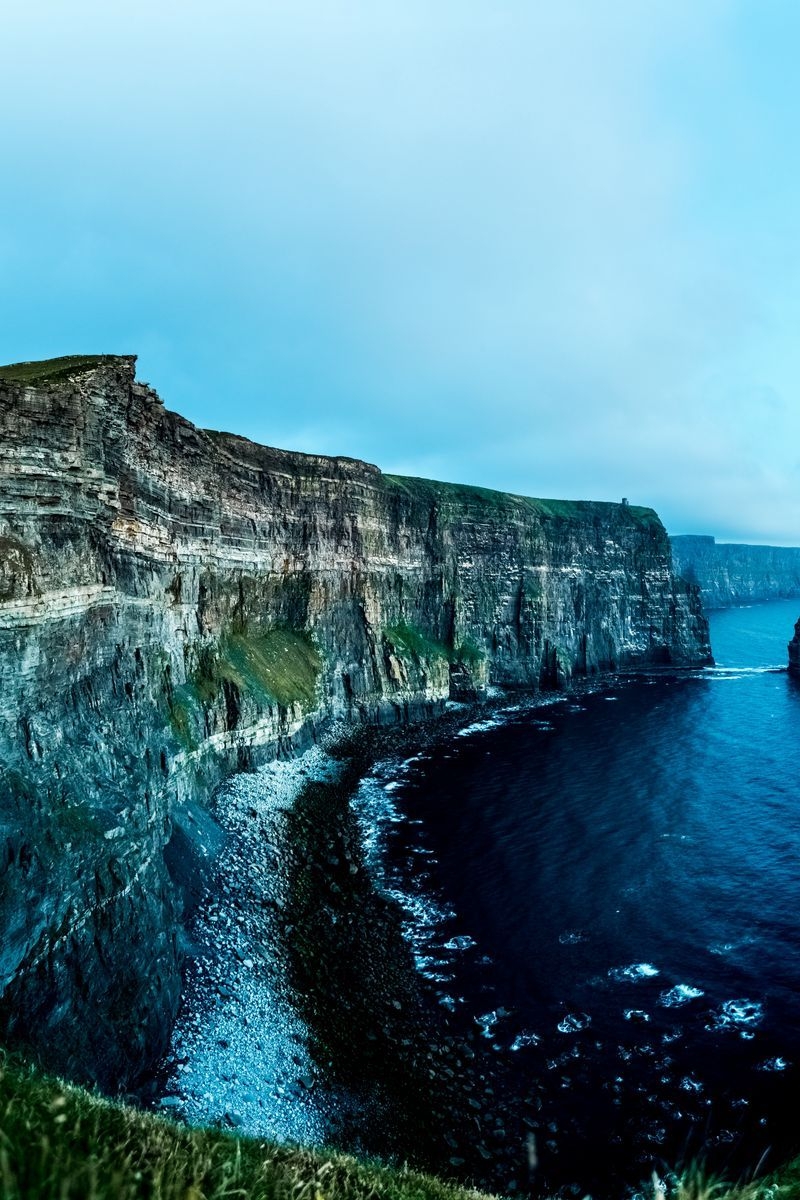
176	603
794	651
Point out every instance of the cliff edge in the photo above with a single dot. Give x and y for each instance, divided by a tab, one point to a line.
177	603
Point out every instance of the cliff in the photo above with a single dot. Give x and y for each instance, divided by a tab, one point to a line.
731	573
794	651
176	603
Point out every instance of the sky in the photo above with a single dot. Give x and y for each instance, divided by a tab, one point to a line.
551	248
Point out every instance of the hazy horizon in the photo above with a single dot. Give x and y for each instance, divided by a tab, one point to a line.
547	249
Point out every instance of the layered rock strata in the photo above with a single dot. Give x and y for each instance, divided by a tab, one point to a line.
729	573
177	603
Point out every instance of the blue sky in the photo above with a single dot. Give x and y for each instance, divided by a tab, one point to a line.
550	248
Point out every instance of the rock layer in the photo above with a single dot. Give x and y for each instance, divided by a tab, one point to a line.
176	603
733	573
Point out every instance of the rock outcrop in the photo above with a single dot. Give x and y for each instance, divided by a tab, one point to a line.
794	651
176	603
729	573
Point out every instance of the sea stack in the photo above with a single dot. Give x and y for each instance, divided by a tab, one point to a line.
794	651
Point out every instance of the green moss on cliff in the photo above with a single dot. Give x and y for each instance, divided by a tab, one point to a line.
57	1142
407	639
51	369
468	653
185	714
281	667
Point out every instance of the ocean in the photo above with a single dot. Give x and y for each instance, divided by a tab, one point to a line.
607	888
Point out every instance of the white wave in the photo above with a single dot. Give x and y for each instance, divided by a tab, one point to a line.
682	993
429	962
480	727
736	1015
634	972
525	1039
574	1023
773	1064
488	1022
722	673
637	1014
423	914
461	942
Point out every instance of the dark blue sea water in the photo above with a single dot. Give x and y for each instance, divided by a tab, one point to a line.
610	888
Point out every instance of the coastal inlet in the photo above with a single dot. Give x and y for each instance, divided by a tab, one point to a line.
607	888
597	900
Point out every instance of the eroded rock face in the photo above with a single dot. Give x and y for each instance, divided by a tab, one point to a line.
733	573
794	651
175	604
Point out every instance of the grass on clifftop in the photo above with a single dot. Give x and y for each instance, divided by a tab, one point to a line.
58	1142
433	491
53	368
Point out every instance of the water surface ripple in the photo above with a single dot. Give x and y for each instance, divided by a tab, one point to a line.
615	898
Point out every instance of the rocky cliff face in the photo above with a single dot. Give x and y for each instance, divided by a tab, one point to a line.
794	651
729	573
175	603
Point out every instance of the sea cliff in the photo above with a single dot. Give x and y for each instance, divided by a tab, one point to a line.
729	573
176	604
794	651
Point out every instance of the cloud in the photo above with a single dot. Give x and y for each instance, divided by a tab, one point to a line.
549	248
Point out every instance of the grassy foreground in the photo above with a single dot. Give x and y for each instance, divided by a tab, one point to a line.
695	1184
58	1141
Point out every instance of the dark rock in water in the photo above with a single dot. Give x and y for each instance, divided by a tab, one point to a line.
794	651
176	604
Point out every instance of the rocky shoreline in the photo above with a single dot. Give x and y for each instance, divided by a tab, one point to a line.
304	1015
304	1018
239	1051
